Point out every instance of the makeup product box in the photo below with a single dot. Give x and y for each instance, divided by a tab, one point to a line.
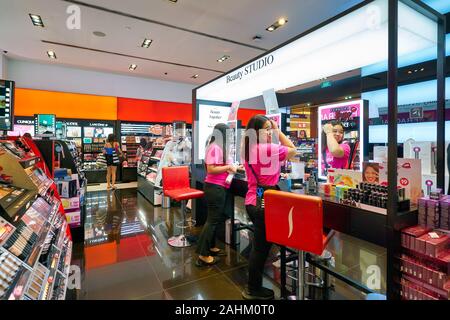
411	233
436	244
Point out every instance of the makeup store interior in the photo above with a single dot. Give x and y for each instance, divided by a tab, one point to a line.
190	150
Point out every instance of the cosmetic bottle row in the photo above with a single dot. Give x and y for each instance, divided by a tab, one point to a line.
370	194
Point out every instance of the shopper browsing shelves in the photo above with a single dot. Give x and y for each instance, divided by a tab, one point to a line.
111	151
263	160
218	196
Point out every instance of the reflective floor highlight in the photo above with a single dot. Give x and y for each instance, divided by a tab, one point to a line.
126	256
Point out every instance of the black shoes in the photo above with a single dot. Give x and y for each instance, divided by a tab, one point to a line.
260	294
201	263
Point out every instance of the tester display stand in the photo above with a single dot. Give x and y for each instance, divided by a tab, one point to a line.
35	240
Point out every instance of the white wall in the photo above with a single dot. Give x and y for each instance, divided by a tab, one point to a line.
31	75
3	65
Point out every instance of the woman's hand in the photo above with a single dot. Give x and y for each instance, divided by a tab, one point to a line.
328	128
232	168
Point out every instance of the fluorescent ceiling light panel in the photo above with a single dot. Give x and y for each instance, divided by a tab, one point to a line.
51	54
354	41
146	43
36	20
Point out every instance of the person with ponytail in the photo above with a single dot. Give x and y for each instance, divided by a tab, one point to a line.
217	193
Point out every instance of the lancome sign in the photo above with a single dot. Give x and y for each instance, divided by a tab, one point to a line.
252	67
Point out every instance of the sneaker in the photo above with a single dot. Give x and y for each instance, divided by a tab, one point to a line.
260	294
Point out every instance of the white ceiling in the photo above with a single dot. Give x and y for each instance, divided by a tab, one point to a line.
236	21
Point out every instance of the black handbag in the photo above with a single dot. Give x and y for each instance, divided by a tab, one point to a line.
260	189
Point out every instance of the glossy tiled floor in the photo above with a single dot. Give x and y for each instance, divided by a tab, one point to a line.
126	256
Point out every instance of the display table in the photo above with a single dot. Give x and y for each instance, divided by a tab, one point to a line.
129	174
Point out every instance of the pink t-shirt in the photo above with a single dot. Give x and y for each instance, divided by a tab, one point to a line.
339	163
214	156
266	160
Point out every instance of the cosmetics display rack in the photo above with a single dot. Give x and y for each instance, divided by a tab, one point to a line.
424	264
147	170
35	241
307	152
64	163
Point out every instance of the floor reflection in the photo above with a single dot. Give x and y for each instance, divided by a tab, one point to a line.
127	255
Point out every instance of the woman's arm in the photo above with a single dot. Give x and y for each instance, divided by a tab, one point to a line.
333	146
218	169
292	151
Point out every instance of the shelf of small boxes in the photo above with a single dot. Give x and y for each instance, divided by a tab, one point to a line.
425	260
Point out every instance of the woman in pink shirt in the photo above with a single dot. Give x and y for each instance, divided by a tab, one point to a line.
263	160
217	194
337	152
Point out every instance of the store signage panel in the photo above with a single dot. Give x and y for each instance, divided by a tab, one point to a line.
350	114
356	40
209	116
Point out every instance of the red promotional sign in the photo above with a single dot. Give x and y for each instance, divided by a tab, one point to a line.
404	182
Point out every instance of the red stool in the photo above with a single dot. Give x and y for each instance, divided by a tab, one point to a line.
295	221
176	186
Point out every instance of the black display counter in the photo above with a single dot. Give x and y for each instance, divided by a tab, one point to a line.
147	189
356	222
129	174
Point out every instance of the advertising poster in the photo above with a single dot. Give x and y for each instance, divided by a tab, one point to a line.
409	173
209	116
347	121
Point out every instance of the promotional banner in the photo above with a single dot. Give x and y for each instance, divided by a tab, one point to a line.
209	116
409	172
346	120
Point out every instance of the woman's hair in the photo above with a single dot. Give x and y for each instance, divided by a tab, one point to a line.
303	132
220	137
111	138
374	166
256	123
143	143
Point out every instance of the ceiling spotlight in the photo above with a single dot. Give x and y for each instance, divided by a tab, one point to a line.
409	71
195	76
36	20
51	54
133	67
422	69
276	25
146	43
173	1
223	58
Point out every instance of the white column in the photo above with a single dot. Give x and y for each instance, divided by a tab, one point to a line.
3	65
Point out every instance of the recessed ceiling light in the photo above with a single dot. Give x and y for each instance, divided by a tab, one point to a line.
280	22
422	69
146	43
36	20
409	71
51	54
225	57
99	34
133	67
173	1
195	76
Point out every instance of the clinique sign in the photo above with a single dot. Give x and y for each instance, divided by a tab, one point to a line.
253	67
